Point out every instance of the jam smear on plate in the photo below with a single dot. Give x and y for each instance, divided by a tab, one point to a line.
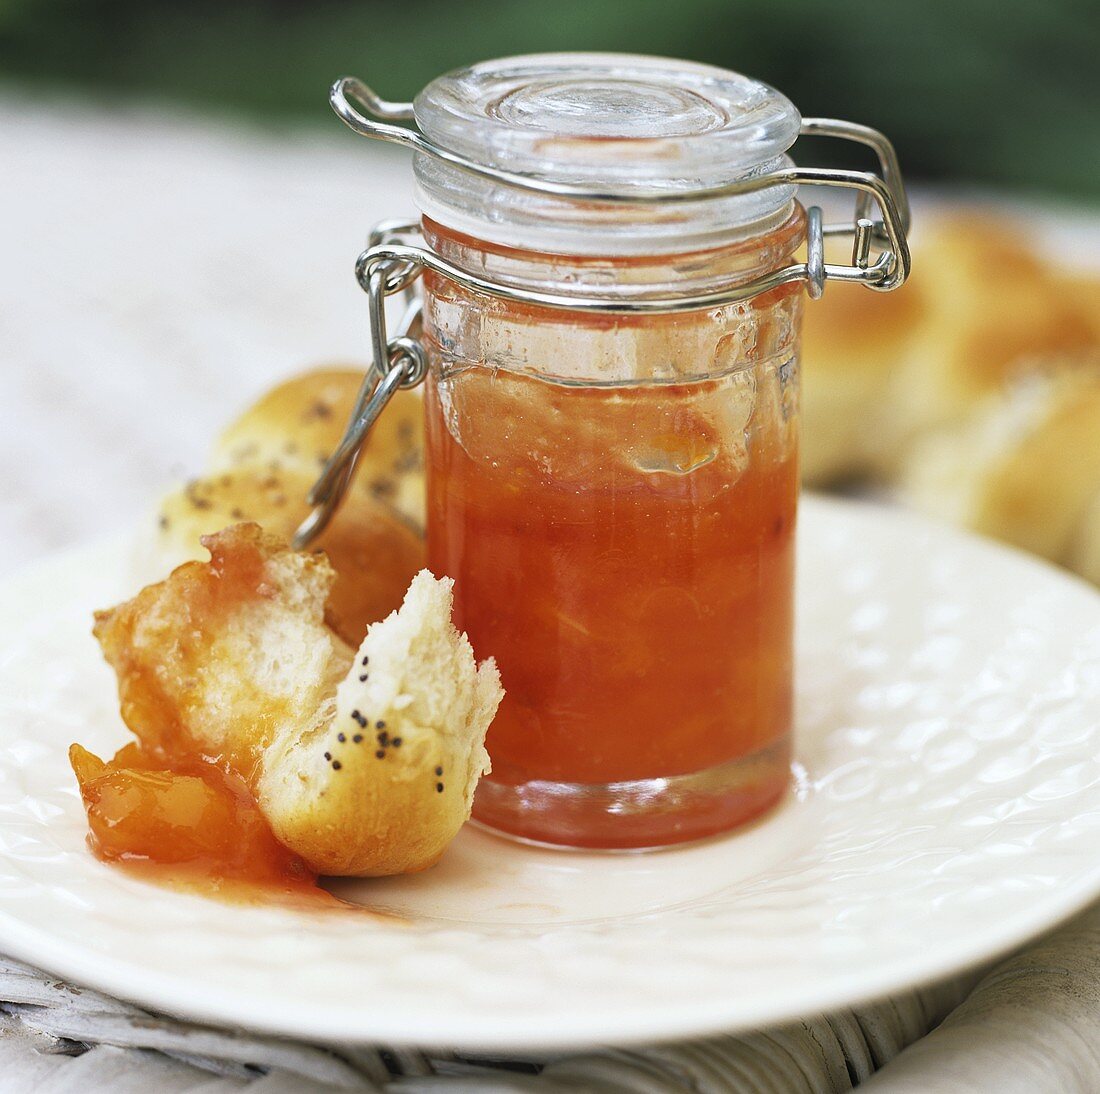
189	823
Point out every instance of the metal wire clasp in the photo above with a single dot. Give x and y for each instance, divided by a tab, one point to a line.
396	362
364	112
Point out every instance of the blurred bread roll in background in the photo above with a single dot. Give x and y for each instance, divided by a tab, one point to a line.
1023	467
852	339
972	394
1083	293
881	369
262	468
990	306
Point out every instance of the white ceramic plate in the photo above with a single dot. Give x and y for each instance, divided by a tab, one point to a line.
948	807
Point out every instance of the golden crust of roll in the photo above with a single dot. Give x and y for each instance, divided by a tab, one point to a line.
373	552
262	468
1083	292
344	749
297	425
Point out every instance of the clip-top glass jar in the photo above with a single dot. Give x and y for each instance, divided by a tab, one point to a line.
611	306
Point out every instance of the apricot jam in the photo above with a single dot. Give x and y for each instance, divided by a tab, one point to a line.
191	821
615	498
167	807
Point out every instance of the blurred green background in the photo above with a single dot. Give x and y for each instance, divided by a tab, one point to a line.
1003	92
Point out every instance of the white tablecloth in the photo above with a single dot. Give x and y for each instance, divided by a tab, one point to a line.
156	274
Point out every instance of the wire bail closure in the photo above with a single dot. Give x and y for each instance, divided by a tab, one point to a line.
391	265
350	97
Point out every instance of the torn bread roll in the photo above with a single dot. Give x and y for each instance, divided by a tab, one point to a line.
262	469
231	660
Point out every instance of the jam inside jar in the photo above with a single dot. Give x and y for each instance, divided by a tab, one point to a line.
615	499
614	489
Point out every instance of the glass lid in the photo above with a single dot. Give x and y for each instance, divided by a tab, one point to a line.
611	122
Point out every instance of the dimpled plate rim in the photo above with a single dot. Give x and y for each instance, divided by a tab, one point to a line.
948	810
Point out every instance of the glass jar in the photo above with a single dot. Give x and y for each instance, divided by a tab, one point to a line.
611	312
615	499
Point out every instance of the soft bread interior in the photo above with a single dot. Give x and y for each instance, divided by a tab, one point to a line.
230	653
399	763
